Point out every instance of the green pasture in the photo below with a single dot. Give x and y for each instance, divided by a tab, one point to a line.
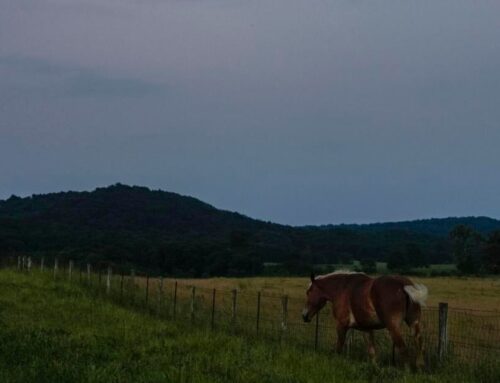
61	332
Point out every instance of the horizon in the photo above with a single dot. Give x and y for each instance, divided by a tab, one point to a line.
299	113
251	217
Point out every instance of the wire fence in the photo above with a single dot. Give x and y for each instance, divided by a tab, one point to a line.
469	336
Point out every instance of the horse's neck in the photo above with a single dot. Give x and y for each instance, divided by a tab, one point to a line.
333	286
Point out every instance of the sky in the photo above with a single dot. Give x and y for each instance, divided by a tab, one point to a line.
298	112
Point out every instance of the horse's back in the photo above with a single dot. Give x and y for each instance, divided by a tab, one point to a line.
391	301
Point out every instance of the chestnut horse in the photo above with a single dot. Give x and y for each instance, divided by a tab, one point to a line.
365	303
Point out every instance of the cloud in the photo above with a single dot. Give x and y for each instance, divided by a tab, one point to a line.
24	74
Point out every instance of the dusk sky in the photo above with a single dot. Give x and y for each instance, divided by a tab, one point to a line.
294	111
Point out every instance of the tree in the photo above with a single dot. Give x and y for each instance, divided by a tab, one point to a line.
466	248
368	266
491	253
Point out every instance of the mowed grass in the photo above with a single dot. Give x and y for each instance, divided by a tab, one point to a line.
58	332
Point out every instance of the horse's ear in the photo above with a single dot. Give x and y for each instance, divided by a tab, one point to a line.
312	277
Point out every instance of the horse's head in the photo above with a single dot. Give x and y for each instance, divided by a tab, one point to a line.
315	301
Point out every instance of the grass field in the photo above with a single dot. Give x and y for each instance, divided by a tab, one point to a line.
59	332
459	292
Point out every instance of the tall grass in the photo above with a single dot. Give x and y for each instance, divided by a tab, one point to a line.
59	332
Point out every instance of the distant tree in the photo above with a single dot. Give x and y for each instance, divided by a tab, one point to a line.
466	248
491	253
368	265
398	261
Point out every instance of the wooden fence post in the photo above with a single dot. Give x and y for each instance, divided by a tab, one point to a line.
174	309
56	266
160	295
89	269
108	281
193	292
258	313
284	312
212	323
29	264
42	261
70	270
234	293
316	332
443	330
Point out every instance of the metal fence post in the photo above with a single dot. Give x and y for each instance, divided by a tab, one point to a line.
108	280
147	291
121	287
316	332
284	312
174	309
193	292
89	268
234	294
160	295
132	285
258	313
70	270
443	330
212	323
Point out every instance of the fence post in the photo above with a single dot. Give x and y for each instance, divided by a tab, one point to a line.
108	280
160	295
56	266
234	293
99	278
212	324
443	330
132	284
70	270
193	292
19	262
316	332
42	261
284	312
89	268
258	313
29	264
175	301
24	262
80	273
147	291
121	287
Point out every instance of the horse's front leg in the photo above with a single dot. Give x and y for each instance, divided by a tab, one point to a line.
370	340
341	334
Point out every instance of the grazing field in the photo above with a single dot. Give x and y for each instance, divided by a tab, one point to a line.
62	332
460	292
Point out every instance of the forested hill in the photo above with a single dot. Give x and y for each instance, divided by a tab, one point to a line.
175	234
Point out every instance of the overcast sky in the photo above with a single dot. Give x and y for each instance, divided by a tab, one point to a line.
295	111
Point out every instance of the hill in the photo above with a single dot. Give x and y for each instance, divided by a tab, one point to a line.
167	232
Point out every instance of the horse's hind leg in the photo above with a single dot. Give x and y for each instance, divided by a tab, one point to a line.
417	337
370	340
397	339
341	334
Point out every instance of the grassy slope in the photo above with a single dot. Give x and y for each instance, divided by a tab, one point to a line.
58	333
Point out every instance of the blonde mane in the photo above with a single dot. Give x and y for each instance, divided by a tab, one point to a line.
337	272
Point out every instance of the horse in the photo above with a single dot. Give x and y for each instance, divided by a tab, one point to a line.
367	304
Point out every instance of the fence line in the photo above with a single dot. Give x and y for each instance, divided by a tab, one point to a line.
467	335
